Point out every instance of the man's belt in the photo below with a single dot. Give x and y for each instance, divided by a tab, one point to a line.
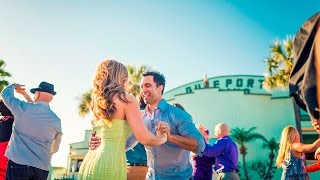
231	171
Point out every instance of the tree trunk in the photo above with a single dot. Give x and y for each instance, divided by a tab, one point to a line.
268	174
245	166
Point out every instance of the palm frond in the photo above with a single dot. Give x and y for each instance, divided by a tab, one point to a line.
271	144
3	75
279	65
85	104
135	75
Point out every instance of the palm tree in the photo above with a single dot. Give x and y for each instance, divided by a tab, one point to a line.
241	137
135	74
279	65
273	146
84	106
3	74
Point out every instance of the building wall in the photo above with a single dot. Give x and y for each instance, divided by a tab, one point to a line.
240	101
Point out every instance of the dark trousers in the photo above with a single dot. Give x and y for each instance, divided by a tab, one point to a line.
24	172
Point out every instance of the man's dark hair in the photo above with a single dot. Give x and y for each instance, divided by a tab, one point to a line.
158	78
142	104
178	105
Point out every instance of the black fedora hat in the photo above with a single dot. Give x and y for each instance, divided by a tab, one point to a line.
44	87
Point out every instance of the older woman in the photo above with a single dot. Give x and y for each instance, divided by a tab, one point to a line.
202	166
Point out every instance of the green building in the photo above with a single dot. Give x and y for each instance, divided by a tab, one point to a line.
240	101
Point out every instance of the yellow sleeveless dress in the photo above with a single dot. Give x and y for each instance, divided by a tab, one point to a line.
109	160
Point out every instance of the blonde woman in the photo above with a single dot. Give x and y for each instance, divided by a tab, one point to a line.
291	154
116	113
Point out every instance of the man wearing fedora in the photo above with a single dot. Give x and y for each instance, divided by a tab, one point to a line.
36	134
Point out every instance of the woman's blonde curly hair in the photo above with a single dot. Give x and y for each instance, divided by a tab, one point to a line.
108	85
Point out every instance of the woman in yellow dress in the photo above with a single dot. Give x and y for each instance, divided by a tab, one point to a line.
116	113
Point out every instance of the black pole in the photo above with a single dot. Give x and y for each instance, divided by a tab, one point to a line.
297	118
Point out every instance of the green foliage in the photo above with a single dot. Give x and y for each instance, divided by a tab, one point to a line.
85	104
261	167
135	74
278	65
266	169
241	137
3	75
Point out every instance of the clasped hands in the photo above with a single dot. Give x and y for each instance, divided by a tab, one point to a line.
163	128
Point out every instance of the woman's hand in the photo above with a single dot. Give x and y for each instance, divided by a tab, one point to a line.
203	131
94	141
161	132
164	127
317	154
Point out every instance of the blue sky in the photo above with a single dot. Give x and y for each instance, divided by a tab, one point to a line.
62	42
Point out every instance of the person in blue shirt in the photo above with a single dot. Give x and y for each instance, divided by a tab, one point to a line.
226	153
36	133
172	159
